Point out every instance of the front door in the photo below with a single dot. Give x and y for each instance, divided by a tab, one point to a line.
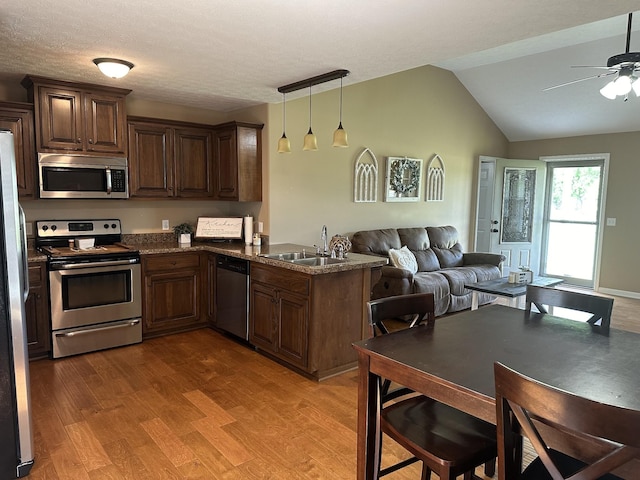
510	211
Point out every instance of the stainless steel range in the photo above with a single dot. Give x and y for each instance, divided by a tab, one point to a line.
94	285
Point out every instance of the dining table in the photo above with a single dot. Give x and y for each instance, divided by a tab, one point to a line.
452	362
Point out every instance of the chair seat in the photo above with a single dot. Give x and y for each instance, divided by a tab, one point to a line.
440	435
566	464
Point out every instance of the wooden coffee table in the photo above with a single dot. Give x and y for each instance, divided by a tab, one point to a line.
501	287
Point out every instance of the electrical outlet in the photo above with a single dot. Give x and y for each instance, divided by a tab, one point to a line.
260	226
165	224
611	222
29	229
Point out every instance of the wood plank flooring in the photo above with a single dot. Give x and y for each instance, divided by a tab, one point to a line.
200	406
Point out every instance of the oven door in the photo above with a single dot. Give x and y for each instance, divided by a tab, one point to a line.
85	294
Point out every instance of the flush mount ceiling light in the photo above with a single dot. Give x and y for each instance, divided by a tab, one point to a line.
284	146
113	67
310	140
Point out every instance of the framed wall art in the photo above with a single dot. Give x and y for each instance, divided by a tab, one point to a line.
403	182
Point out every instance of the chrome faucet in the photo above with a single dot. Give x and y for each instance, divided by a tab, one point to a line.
323	238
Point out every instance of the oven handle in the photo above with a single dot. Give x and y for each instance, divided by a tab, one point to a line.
69	266
108	172
132	323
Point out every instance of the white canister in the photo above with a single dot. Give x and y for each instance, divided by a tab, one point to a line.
248	230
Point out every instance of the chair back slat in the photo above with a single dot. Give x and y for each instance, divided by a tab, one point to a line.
599	307
521	400
419	306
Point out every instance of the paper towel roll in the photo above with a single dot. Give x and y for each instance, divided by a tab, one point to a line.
248	230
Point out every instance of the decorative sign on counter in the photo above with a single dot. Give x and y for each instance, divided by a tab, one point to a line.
219	228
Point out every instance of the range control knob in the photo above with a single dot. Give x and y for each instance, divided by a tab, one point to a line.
106	226
45	228
113	225
54	228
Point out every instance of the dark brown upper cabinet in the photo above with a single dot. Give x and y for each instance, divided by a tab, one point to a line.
77	117
170	159
18	119
238	162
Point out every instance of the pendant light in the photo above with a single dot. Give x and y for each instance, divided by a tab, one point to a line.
284	146
340	135
310	140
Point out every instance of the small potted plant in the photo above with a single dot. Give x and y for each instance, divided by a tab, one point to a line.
183	231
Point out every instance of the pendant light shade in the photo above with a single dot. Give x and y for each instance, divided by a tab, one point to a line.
113	67
310	140
340	135
284	146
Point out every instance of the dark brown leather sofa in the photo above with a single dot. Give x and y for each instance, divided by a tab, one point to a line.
443	268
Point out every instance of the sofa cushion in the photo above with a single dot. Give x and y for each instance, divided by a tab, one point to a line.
418	242
433	282
445	245
377	242
403	258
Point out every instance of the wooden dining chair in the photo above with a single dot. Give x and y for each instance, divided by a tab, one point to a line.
520	400
448	441
599	307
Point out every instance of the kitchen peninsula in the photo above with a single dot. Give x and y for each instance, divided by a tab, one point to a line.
305	317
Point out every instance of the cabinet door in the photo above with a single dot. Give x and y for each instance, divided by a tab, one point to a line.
293	328
37	313
193	162
263	323
105	123
150	160
20	123
60	120
225	177
171	301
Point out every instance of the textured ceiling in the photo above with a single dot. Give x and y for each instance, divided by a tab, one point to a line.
226	55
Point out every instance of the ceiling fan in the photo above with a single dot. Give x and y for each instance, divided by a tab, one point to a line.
624	66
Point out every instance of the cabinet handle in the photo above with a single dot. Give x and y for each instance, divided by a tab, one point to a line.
78	140
91	141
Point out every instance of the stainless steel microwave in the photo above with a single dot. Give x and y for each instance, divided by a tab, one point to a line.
81	176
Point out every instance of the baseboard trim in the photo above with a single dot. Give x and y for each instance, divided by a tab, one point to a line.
619	293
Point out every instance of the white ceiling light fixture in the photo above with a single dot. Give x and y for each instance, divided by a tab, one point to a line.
113	67
310	140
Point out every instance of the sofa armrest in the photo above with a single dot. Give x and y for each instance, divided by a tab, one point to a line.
393	281
482	258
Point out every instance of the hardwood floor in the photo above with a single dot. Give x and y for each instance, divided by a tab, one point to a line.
200	406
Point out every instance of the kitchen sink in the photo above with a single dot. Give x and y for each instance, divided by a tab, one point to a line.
290	256
318	261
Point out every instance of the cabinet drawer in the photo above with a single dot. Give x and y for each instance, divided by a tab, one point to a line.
280	278
164	262
36	274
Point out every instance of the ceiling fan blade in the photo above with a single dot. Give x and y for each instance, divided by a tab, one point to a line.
579	80
595	66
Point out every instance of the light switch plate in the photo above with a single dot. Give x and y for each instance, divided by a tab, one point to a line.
611	222
165	224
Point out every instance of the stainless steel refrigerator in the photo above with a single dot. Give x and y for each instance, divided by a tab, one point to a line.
16	440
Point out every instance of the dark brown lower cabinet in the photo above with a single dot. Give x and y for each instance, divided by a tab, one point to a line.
37	312
173	293
308	322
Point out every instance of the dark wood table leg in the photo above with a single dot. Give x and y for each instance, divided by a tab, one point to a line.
368	420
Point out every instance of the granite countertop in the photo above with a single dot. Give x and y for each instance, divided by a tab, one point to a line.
354	261
151	245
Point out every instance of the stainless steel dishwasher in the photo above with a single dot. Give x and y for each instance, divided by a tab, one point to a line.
232	300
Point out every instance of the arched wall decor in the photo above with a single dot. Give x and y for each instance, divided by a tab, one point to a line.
365	182
435	179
